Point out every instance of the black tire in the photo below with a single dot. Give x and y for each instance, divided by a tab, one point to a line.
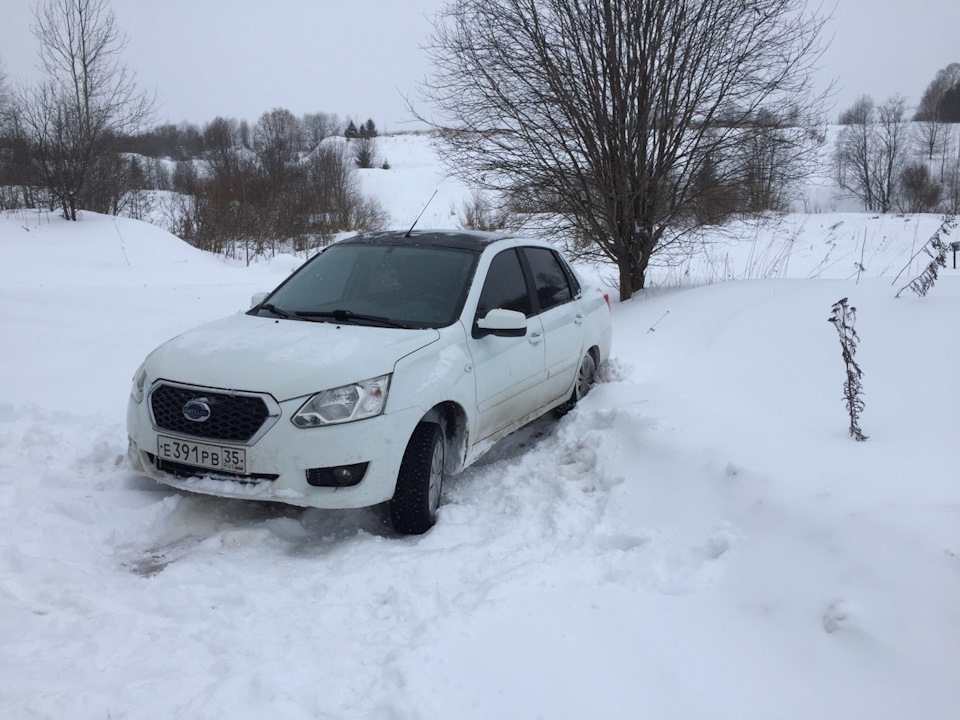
413	509
586	376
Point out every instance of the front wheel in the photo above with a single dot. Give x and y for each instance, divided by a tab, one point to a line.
413	509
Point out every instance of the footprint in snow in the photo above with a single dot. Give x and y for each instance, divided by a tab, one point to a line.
834	617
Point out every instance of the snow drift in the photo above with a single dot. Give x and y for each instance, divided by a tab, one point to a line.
699	538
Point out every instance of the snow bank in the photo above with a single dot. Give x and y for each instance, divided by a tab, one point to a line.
96	296
699	538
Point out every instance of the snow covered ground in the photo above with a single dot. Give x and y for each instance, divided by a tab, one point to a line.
700	538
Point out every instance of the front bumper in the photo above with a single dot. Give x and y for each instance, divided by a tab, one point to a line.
287	452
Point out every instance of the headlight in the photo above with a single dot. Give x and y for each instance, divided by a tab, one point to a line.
139	380
344	404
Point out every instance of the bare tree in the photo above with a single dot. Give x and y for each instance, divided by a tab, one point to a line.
221	147
774	154
59	156
10	178
277	139
871	151
6	119
892	144
929	136
599	114
119	184
317	127
481	213
88	99
4	98
331	171
243	134
853	151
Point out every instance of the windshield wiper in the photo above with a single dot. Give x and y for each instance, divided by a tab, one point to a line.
270	307
348	316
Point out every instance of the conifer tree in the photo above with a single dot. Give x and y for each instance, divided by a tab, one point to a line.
368	129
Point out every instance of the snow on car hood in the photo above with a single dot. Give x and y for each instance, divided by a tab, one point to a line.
286	358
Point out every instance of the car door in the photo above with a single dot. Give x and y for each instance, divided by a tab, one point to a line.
557	294
509	371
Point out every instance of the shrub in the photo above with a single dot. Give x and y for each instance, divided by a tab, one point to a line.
921	193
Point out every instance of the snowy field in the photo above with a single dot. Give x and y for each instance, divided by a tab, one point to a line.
700	538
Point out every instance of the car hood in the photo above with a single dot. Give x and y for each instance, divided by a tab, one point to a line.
286	358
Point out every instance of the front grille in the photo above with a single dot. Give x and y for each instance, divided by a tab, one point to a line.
188	471
233	417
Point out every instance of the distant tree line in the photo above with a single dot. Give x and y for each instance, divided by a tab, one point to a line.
892	163
81	139
282	183
186	140
619	131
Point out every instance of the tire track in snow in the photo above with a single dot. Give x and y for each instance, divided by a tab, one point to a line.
182	579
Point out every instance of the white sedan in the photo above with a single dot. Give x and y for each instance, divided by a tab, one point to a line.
386	362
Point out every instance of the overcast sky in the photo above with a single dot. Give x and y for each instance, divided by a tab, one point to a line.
359	58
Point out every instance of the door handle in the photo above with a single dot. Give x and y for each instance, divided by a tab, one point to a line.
579	318
535	338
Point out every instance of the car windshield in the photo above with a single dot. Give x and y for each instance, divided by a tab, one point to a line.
381	285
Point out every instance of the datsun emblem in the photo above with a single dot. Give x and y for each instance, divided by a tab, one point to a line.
197	410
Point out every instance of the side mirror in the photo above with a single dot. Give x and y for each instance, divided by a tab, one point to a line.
258	298
502	323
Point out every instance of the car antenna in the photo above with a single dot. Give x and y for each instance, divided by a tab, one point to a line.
421	213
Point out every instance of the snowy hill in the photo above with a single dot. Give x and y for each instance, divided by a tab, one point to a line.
699	539
407	186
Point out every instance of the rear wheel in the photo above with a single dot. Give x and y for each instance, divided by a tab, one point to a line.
413	509
586	376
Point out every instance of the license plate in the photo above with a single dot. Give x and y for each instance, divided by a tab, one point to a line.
211	457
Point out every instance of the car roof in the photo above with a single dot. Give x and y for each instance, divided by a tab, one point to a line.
458	239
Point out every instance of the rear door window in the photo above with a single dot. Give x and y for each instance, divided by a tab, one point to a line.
549	277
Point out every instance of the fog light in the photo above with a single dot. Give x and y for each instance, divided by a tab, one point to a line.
339	476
